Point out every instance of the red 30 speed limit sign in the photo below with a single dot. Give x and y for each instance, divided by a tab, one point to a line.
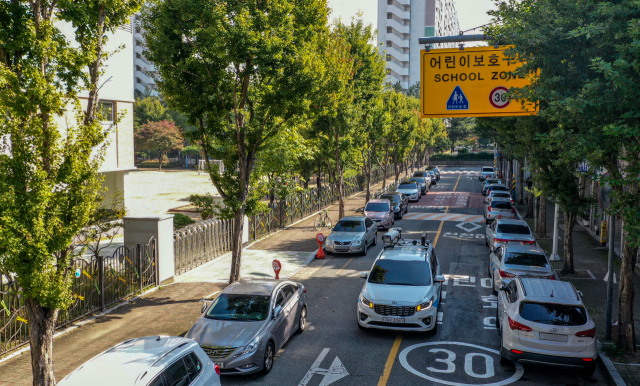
498	97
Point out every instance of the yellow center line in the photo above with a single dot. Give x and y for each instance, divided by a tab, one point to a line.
344	266
389	365
384	378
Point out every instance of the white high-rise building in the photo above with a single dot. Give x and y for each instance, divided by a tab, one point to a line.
401	23
143	68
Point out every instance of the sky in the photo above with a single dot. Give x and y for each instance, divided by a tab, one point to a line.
471	13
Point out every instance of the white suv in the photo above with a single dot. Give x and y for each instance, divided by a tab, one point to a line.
403	289
544	322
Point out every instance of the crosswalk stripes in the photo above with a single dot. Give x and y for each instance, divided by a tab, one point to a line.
444	217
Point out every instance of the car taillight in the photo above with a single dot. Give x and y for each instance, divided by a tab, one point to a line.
304	290
524	242
552	277
217	368
513	210
587	334
505	274
505	241
489	209
518	326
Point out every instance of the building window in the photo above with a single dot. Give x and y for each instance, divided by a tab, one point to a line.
388	58
105	109
389	2
388	71
429	31
389	15
388	43
389	30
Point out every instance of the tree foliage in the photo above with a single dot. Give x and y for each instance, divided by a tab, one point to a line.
160	137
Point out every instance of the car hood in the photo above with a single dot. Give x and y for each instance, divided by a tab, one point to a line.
224	333
375	215
402	294
345	236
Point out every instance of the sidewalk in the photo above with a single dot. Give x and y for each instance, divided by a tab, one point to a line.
591	268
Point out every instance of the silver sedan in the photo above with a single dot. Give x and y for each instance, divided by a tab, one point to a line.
352	234
507	231
246	325
508	261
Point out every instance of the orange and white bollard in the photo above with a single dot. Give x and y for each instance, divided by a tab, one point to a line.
276	268
320	239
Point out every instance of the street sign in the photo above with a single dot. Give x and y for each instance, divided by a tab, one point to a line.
473	82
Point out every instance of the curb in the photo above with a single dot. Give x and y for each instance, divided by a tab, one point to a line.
614	376
74	326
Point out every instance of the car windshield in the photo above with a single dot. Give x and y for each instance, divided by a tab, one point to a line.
400	272
486	169
490	181
501	204
240	307
418	174
377	207
349	226
408	185
514	229
497	188
555	314
530	259
393	198
418	179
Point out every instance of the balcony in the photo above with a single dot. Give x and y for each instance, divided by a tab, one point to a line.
401	14
398	68
400	27
395	39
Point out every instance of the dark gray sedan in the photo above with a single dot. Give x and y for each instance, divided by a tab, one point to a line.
246	325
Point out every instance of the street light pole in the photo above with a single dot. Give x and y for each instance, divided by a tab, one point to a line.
612	234
554	254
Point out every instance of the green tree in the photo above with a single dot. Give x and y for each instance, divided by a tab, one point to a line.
160	137
242	71
459	129
49	182
149	109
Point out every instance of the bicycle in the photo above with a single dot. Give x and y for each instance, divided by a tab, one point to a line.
323	221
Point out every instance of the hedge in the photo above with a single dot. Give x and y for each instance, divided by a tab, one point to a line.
482	156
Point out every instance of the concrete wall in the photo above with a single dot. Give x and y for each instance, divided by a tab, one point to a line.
139	230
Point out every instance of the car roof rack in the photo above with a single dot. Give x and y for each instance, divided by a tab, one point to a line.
394	238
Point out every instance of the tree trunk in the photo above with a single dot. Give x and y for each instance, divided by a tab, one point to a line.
520	182
542	217
530	199
236	248
569	223
397	170
626	339
42	323
339	177
384	177
160	158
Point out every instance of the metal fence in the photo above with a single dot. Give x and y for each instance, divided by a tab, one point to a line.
197	244
97	284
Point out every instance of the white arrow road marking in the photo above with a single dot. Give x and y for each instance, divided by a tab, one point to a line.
334	373
606	277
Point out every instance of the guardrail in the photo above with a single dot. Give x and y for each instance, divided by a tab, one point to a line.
97	284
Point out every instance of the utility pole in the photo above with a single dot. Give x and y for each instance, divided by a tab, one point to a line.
554	254
612	234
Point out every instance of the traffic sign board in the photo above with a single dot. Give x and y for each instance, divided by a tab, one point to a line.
484	73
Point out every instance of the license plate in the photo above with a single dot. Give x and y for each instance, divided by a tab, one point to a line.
220	364
393	320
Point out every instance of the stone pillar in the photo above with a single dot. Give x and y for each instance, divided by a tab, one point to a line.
139	230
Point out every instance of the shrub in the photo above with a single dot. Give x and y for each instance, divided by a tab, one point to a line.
180	221
463	150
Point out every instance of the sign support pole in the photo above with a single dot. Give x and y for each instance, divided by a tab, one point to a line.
554	254
612	233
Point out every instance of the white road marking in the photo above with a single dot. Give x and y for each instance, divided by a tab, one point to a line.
443	295
606	277
486	282
439	317
491	299
334	373
490	323
468	227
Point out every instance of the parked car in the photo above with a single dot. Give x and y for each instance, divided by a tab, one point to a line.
409	189
485	172
381	212
545	322
399	201
434	169
511	232
423	183
246	325
508	261
489	181
498	194
499	208
152	360
403	288
432	174
496	188
352	234
423	174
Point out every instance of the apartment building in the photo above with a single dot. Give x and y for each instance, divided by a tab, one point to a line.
116	101
401	23
143	68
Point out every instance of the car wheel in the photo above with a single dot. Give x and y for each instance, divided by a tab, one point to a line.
328	252
400	218
302	325
486	242
375	240
364	250
493	285
498	324
503	360
269	353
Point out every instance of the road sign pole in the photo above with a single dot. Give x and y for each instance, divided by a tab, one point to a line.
612	233
554	254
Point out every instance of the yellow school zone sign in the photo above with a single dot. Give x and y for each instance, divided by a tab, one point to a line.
469	83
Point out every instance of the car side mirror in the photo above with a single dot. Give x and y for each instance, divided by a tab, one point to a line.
439	279
364	275
276	311
503	287
205	307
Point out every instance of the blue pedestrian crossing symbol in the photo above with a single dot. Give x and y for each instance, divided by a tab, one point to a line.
457	100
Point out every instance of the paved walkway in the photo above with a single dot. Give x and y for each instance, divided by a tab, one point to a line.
591	268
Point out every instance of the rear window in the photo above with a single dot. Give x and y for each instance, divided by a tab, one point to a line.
555	314
418	179
490	181
419	174
498	188
501	195
501	205
377	207
393	198
487	169
408	185
514	229
530	259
